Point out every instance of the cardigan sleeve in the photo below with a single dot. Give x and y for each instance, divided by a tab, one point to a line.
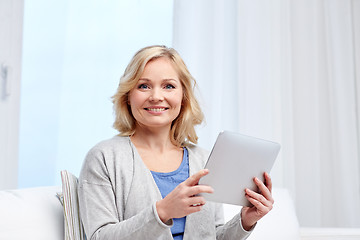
101	217
233	229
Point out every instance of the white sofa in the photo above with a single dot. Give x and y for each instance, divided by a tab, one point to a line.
36	213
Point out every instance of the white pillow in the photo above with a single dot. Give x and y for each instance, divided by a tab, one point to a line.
32	213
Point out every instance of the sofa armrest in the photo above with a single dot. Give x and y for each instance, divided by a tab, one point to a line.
329	233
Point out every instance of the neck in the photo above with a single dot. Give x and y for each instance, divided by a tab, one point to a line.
152	138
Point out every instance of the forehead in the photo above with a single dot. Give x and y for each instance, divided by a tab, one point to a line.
162	68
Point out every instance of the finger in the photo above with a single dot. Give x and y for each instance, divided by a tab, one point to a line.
268	181
194	190
196	201
264	190
258	197
258	205
194	209
194	179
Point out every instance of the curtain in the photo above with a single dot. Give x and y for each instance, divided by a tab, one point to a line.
287	71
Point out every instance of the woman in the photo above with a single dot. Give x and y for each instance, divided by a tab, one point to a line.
143	184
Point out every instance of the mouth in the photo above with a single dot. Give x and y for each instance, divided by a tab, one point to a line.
156	109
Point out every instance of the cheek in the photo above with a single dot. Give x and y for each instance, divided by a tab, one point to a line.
134	99
133	104
178	98
177	102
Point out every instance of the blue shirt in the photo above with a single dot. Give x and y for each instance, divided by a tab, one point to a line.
166	182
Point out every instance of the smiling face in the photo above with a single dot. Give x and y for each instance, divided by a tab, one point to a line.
156	99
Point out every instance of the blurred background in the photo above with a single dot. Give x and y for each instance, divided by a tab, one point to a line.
282	70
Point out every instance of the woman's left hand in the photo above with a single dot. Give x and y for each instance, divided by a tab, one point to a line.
262	203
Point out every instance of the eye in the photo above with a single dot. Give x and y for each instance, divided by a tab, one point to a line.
143	86
169	86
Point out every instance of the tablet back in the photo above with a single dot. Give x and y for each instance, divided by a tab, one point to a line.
233	163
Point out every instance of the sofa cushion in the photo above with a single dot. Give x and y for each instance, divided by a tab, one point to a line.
33	213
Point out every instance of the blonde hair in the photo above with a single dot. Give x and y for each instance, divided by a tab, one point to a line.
183	127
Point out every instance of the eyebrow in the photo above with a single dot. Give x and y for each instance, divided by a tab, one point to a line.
165	79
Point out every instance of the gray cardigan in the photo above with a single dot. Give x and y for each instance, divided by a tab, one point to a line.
117	197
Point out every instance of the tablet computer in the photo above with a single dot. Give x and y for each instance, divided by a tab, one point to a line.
233	163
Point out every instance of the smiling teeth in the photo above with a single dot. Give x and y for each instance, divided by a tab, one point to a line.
156	109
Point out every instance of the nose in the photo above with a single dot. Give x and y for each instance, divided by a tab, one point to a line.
156	95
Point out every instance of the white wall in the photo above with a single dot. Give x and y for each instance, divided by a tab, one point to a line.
74	55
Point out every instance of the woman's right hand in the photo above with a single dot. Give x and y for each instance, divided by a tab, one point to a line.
183	200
